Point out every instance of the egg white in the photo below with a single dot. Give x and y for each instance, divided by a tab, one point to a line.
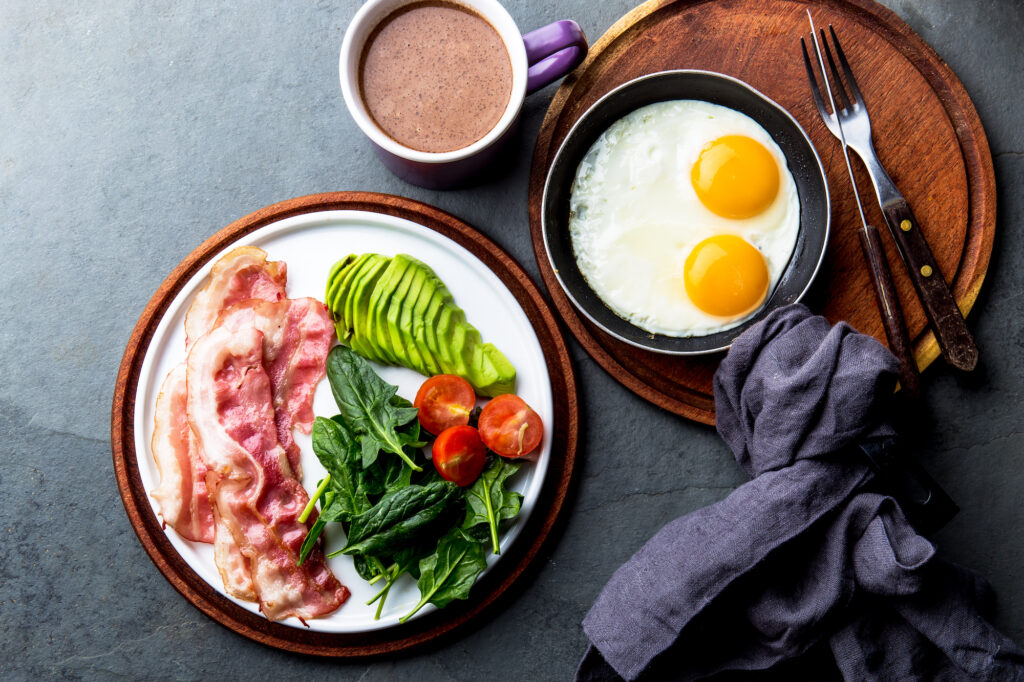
634	216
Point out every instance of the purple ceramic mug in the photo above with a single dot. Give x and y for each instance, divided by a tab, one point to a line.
538	58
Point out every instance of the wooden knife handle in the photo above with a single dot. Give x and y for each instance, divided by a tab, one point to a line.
892	313
955	341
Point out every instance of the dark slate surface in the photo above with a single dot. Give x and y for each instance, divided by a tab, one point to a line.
129	132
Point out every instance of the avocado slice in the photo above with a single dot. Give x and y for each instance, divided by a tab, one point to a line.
336	304
361	292
504	373
336	269
484	365
417	318
336	299
481	372
442	331
367	273
347	294
486	376
425	323
339	299
431	318
398	344
339	271
383	291
456	333
419	363
397	310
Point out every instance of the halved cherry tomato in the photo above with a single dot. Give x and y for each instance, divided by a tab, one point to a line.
459	455
509	427
444	400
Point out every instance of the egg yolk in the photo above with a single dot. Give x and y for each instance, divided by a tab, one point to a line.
735	177
726	276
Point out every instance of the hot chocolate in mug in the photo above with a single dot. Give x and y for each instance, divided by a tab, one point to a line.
536	59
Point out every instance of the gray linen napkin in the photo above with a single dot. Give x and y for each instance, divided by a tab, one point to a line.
807	550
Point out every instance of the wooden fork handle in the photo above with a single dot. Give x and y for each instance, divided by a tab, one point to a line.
892	314
955	341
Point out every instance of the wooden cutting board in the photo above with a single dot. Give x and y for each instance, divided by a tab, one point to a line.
926	131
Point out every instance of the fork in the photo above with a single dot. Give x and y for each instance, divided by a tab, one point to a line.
871	245
955	341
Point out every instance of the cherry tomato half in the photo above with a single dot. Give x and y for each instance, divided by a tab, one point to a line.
444	400
509	427
459	455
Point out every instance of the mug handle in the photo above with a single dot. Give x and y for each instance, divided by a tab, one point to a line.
553	51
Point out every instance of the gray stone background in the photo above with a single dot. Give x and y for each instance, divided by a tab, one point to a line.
130	131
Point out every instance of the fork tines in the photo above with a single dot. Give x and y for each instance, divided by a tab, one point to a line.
836	81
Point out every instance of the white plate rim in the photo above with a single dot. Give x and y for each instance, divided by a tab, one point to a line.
304	221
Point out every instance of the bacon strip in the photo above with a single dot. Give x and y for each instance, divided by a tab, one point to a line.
181	495
235	572
245	495
297	335
257	499
240	274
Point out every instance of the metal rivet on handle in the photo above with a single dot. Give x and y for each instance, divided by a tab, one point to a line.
905	225
926	270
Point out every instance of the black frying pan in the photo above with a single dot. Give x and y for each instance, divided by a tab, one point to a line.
804	164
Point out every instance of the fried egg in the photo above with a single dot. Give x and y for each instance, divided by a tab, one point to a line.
683	216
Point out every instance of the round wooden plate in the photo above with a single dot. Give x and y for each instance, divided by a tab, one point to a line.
926	131
513	563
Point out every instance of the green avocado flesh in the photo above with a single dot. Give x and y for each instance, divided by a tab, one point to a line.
414	330
341	270
380	299
398	318
360	298
397	311
426	333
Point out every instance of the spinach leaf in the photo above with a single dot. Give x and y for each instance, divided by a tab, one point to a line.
367	403
336	448
329	511
427	476
409	557
488	503
350	486
321	489
364	567
405	561
386	475
391	473
449	573
310	541
398	518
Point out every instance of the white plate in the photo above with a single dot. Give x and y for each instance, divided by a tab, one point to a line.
310	244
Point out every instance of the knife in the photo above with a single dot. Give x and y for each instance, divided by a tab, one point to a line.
874	252
944	316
